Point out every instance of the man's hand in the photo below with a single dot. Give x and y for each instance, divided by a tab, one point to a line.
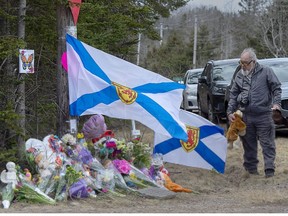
231	117
276	107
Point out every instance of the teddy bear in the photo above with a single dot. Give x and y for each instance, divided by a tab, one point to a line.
237	128
42	165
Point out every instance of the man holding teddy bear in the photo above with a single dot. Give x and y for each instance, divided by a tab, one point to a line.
256	91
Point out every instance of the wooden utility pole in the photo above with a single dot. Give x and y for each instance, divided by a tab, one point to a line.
20	102
64	20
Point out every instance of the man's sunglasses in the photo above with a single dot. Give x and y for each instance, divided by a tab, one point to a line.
245	63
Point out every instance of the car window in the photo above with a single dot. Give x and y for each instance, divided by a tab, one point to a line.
218	74
224	72
193	78
281	70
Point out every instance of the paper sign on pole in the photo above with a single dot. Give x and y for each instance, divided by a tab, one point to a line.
26	61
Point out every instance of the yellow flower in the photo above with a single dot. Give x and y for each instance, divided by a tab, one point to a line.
132	175
56	178
80	135
85	144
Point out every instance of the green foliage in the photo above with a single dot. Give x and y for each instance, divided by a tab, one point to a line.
206	50
170	60
10	45
113	26
7	155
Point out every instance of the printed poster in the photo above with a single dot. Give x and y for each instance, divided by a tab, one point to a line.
26	61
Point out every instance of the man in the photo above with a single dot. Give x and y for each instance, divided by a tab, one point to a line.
256	91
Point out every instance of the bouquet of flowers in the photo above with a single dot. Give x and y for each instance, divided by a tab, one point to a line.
138	153
72	176
60	193
31	193
79	189
107	149
122	166
133	177
30	158
120	183
106	178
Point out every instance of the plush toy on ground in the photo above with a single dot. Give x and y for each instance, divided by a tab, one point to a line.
237	128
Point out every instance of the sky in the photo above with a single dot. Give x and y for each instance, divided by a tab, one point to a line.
223	5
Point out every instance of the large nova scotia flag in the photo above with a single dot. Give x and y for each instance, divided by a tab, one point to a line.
100	83
206	146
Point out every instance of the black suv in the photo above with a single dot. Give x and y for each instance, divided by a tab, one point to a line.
212	86
280	67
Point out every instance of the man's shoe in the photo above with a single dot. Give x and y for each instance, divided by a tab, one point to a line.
253	172
269	173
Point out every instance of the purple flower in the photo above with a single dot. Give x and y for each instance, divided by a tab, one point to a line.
122	166
85	156
79	189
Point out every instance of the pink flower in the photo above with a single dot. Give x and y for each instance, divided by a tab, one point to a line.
110	144
122	166
31	150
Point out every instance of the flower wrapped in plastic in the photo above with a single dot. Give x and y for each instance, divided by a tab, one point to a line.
107	149
120	184
33	194
79	189
60	193
85	156
141	154
134	178
106	179
72	176
122	166
136	153
54	143
69	139
138	176
46	183
52	186
7	195
30	155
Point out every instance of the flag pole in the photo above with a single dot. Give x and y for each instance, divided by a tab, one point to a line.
136	133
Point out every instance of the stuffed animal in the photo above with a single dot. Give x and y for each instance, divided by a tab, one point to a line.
237	128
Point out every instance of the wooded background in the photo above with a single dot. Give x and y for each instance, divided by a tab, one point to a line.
35	105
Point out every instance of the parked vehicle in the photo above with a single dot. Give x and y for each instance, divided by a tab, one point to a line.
212	86
280	67
189	102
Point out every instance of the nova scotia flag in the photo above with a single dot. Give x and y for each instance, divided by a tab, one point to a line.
206	146
100	83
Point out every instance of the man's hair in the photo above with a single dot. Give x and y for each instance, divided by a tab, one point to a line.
251	52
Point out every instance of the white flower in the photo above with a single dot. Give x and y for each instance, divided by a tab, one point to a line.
69	139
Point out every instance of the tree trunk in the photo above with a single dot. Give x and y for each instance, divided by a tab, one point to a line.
20	103
64	19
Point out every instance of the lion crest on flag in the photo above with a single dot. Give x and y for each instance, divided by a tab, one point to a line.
193	139
126	95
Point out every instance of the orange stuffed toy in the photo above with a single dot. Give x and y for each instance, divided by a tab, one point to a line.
172	186
237	128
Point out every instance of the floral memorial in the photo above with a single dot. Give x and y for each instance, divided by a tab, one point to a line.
92	164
